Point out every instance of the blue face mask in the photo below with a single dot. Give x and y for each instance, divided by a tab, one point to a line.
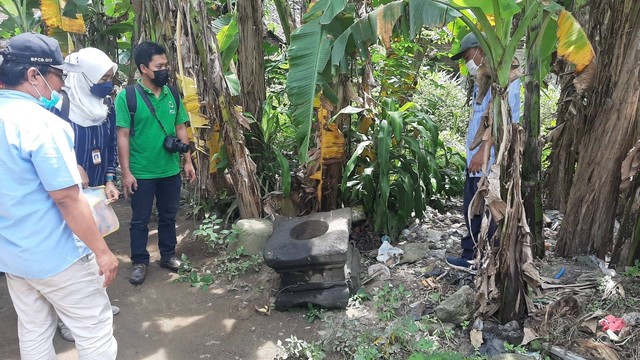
102	90
48	104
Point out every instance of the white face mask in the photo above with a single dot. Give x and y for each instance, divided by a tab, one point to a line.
471	65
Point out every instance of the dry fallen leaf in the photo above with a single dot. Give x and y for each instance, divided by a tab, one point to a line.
599	350
476	338
265	310
529	335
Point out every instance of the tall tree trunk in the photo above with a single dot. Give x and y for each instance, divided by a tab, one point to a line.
251	57
563	157
532	162
569	121
588	224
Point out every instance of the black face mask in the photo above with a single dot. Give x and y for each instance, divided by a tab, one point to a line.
160	77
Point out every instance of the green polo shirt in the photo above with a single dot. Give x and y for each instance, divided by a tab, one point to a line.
148	159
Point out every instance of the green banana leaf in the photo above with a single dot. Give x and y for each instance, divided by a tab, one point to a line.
308	56
507	8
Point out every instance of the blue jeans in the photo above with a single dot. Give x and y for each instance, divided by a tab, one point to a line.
167	194
467	244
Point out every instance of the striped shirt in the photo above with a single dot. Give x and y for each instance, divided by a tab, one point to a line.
99	137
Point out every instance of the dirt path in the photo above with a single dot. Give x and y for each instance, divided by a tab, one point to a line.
165	320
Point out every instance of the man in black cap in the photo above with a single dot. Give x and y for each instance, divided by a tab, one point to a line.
473	56
48	269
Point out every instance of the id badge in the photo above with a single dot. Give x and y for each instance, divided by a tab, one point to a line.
95	156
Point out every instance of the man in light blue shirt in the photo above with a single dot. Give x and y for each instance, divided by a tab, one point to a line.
473	56
48	269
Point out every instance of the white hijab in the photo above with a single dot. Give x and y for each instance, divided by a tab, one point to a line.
86	109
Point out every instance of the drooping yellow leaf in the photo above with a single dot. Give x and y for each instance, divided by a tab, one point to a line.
74	25
191	101
573	44
51	13
189	93
332	146
364	125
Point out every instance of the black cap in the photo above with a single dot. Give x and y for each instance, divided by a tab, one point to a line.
469	41
36	49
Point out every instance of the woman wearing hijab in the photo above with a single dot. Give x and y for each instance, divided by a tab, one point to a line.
90	113
89	109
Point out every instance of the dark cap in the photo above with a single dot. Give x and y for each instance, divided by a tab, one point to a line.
36	49
469	41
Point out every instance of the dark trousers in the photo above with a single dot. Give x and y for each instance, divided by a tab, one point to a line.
473	227
166	191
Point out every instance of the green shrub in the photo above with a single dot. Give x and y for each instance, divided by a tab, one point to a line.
399	166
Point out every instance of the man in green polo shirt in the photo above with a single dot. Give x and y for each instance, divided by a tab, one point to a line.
150	167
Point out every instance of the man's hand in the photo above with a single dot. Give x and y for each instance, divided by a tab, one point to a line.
190	172
129	184
111	191
108	264
83	176
477	161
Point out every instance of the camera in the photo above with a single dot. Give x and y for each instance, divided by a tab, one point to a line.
173	144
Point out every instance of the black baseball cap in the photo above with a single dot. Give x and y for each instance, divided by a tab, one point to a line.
36	49
470	41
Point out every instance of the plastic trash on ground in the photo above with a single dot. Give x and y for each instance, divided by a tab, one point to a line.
103	213
612	323
387	251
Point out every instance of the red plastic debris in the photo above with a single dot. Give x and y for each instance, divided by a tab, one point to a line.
612	323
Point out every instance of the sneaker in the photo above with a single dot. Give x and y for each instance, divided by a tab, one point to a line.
115	310
461	263
138	274
173	264
65	332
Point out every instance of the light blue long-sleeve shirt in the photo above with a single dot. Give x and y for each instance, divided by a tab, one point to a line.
476	119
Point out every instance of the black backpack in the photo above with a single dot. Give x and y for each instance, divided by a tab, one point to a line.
132	103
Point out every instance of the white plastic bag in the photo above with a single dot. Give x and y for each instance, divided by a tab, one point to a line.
103	213
387	251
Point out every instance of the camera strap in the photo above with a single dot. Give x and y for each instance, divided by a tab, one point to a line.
147	101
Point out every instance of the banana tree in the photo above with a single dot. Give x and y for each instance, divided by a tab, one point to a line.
321	53
507	272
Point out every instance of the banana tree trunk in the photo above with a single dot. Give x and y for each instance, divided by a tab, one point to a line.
513	254
286	18
532	165
242	168
588	224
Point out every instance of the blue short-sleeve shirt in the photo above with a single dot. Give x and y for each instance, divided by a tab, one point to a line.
36	156
513	92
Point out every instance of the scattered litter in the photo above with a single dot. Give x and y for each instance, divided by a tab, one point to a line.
388	252
612	323
377	271
560	273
